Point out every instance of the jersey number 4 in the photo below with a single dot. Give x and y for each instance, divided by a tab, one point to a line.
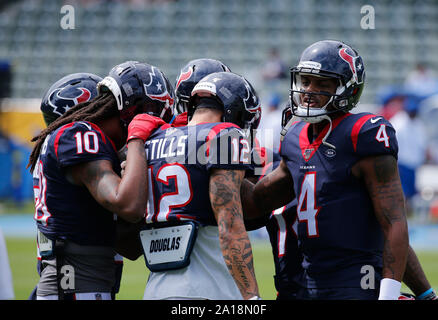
307	210
382	136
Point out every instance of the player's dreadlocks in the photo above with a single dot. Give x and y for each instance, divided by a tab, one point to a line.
100	108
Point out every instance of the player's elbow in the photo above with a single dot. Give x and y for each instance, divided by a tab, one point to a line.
133	212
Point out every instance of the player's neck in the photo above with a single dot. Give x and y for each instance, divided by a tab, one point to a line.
205	115
113	129
315	129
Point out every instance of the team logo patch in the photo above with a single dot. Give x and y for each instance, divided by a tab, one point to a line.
330	153
307	153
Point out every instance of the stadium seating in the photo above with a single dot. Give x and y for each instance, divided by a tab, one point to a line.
240	33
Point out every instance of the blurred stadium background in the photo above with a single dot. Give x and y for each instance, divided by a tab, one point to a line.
257	38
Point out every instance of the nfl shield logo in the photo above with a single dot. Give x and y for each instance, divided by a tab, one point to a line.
308	153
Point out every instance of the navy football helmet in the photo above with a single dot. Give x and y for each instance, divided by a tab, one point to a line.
328	59
139	88
240	102
190	75
66	93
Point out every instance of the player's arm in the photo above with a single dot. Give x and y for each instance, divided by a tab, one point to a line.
382	180
124	196
414	276
269	193
127	241
234	241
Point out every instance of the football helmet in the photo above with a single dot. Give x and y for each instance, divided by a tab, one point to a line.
139	88
240	102
328	59
190	75
66	93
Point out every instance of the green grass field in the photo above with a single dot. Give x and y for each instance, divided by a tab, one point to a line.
22	258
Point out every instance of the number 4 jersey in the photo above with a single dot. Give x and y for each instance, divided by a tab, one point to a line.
338	231
62	209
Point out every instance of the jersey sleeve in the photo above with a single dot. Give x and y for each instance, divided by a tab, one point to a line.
375	136
228	148
80	142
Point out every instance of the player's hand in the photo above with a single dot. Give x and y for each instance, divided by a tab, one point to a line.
142	126
260	152
123	166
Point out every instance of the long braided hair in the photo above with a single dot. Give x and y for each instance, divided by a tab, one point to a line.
102	107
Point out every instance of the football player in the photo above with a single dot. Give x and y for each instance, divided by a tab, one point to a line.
195	242
343	168
77	184
61	96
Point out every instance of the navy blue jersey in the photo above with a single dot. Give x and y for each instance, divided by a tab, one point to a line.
337	229
62	209
282	231
179	164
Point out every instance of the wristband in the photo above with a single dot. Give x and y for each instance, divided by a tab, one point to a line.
389	289
427	295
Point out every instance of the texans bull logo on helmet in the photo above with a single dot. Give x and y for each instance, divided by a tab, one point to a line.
62	101
252	103
184	76
156	89
354	63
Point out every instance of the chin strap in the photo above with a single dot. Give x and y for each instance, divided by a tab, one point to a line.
285	129
326	117
292	120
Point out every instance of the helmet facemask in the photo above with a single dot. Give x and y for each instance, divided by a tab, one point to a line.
182	103
301	105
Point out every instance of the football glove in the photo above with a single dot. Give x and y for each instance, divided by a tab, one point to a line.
180	120
142	126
